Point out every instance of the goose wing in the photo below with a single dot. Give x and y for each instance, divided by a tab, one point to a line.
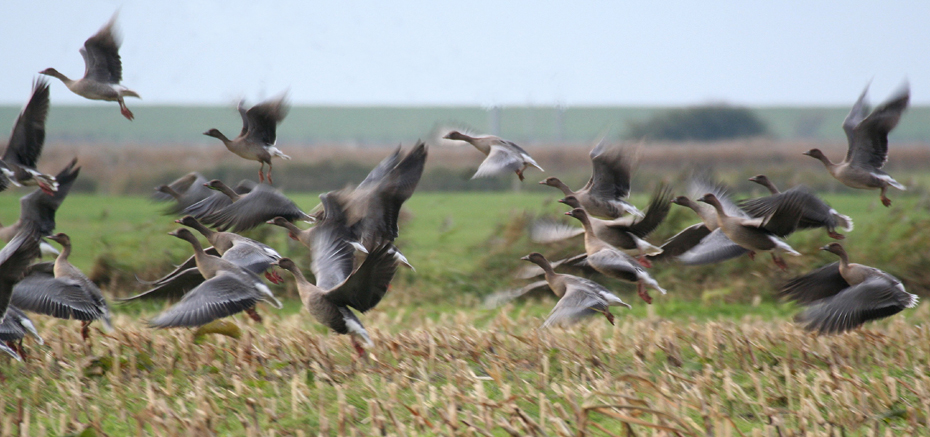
614	263
171	288
816	285
875	298
659	207
251	257
612	171
333	256
583	298
713	248
857	113
28	136
244	115
264	119
815	212
550	231
42	293
499	298
227	293
365	287
869	145
14	260
499	160
393	190
101	55
38	208
261	204
381	170
682	242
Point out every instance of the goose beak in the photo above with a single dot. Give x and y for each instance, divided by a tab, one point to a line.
825	248
525	258
568	213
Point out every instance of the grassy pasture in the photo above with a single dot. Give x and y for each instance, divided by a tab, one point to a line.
717	356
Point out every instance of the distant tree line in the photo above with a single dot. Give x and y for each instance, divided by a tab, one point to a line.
700	123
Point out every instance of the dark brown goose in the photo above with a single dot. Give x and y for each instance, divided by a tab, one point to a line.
103	70
228	289
338	288
610	261
841	296
501	155
256	140
603	196
18	165
62	291
578	297
815	213
867	134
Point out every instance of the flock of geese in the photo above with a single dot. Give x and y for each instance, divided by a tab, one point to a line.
352	239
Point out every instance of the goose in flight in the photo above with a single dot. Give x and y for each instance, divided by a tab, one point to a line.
103	70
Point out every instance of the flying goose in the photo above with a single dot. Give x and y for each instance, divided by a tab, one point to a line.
256	140
103	70
502	155
228	289
867	134
244	252
338	288
62	291
842	296
759	234
603	196
37	210
578	297
625	233
251	209
18	164
815	212
613	262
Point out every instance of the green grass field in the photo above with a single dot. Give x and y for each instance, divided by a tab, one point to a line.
717	355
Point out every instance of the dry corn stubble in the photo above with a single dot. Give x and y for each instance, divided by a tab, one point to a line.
504	377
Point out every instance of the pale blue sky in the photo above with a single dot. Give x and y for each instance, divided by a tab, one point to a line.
482	52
